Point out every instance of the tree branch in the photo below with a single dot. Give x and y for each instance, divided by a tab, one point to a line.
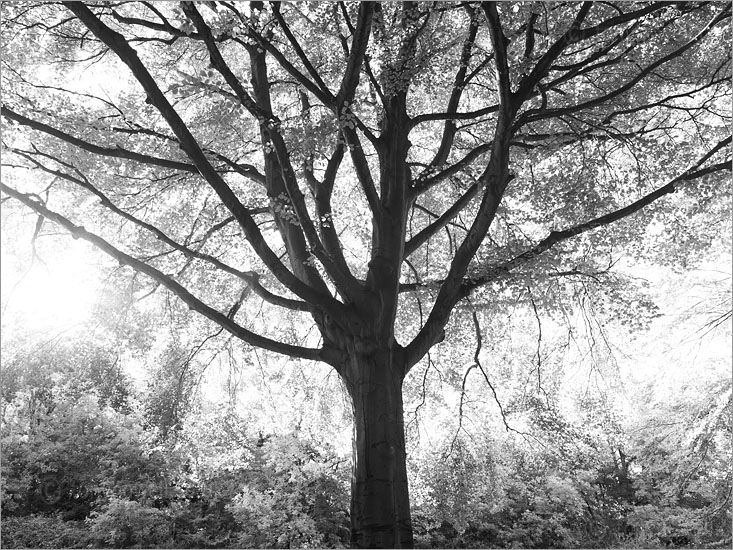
556	237
425	234
426	182
299	51
470	115
322	192
189	299
530	116
542	67
251	278
116	152
500	43
449	128
361	166
128	55
356	58
246	170
317	89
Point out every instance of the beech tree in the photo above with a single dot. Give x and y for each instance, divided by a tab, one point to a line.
365	168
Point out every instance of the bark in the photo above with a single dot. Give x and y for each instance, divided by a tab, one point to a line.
380	502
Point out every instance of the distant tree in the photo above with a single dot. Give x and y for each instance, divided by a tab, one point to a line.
367	167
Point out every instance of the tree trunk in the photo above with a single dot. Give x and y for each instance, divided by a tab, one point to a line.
380	503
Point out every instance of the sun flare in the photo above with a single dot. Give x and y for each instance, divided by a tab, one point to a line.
57	292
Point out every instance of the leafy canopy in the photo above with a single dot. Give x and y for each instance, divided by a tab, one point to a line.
331	157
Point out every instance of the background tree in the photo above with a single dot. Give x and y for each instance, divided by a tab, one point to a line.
370	168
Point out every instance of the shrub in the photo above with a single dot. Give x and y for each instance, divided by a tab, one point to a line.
126	524
294	497
39	531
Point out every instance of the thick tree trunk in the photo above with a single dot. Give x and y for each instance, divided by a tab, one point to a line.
380	503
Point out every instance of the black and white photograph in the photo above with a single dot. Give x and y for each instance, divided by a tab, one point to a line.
395	274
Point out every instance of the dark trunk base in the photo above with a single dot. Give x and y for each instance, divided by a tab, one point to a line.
380	502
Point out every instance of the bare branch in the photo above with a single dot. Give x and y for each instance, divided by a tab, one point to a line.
538	353
477	362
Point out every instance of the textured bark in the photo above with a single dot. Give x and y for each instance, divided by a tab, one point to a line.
380	502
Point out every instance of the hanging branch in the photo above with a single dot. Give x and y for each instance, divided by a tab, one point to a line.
538	353
477	365
477	362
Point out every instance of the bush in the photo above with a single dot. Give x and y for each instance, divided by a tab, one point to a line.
294	497
39	531
126	524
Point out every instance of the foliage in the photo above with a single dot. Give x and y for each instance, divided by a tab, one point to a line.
635	462
74	367
79	459
79	453
579	477
282	490
126	524
44	531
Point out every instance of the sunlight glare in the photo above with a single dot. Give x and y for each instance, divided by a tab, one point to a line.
58	293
